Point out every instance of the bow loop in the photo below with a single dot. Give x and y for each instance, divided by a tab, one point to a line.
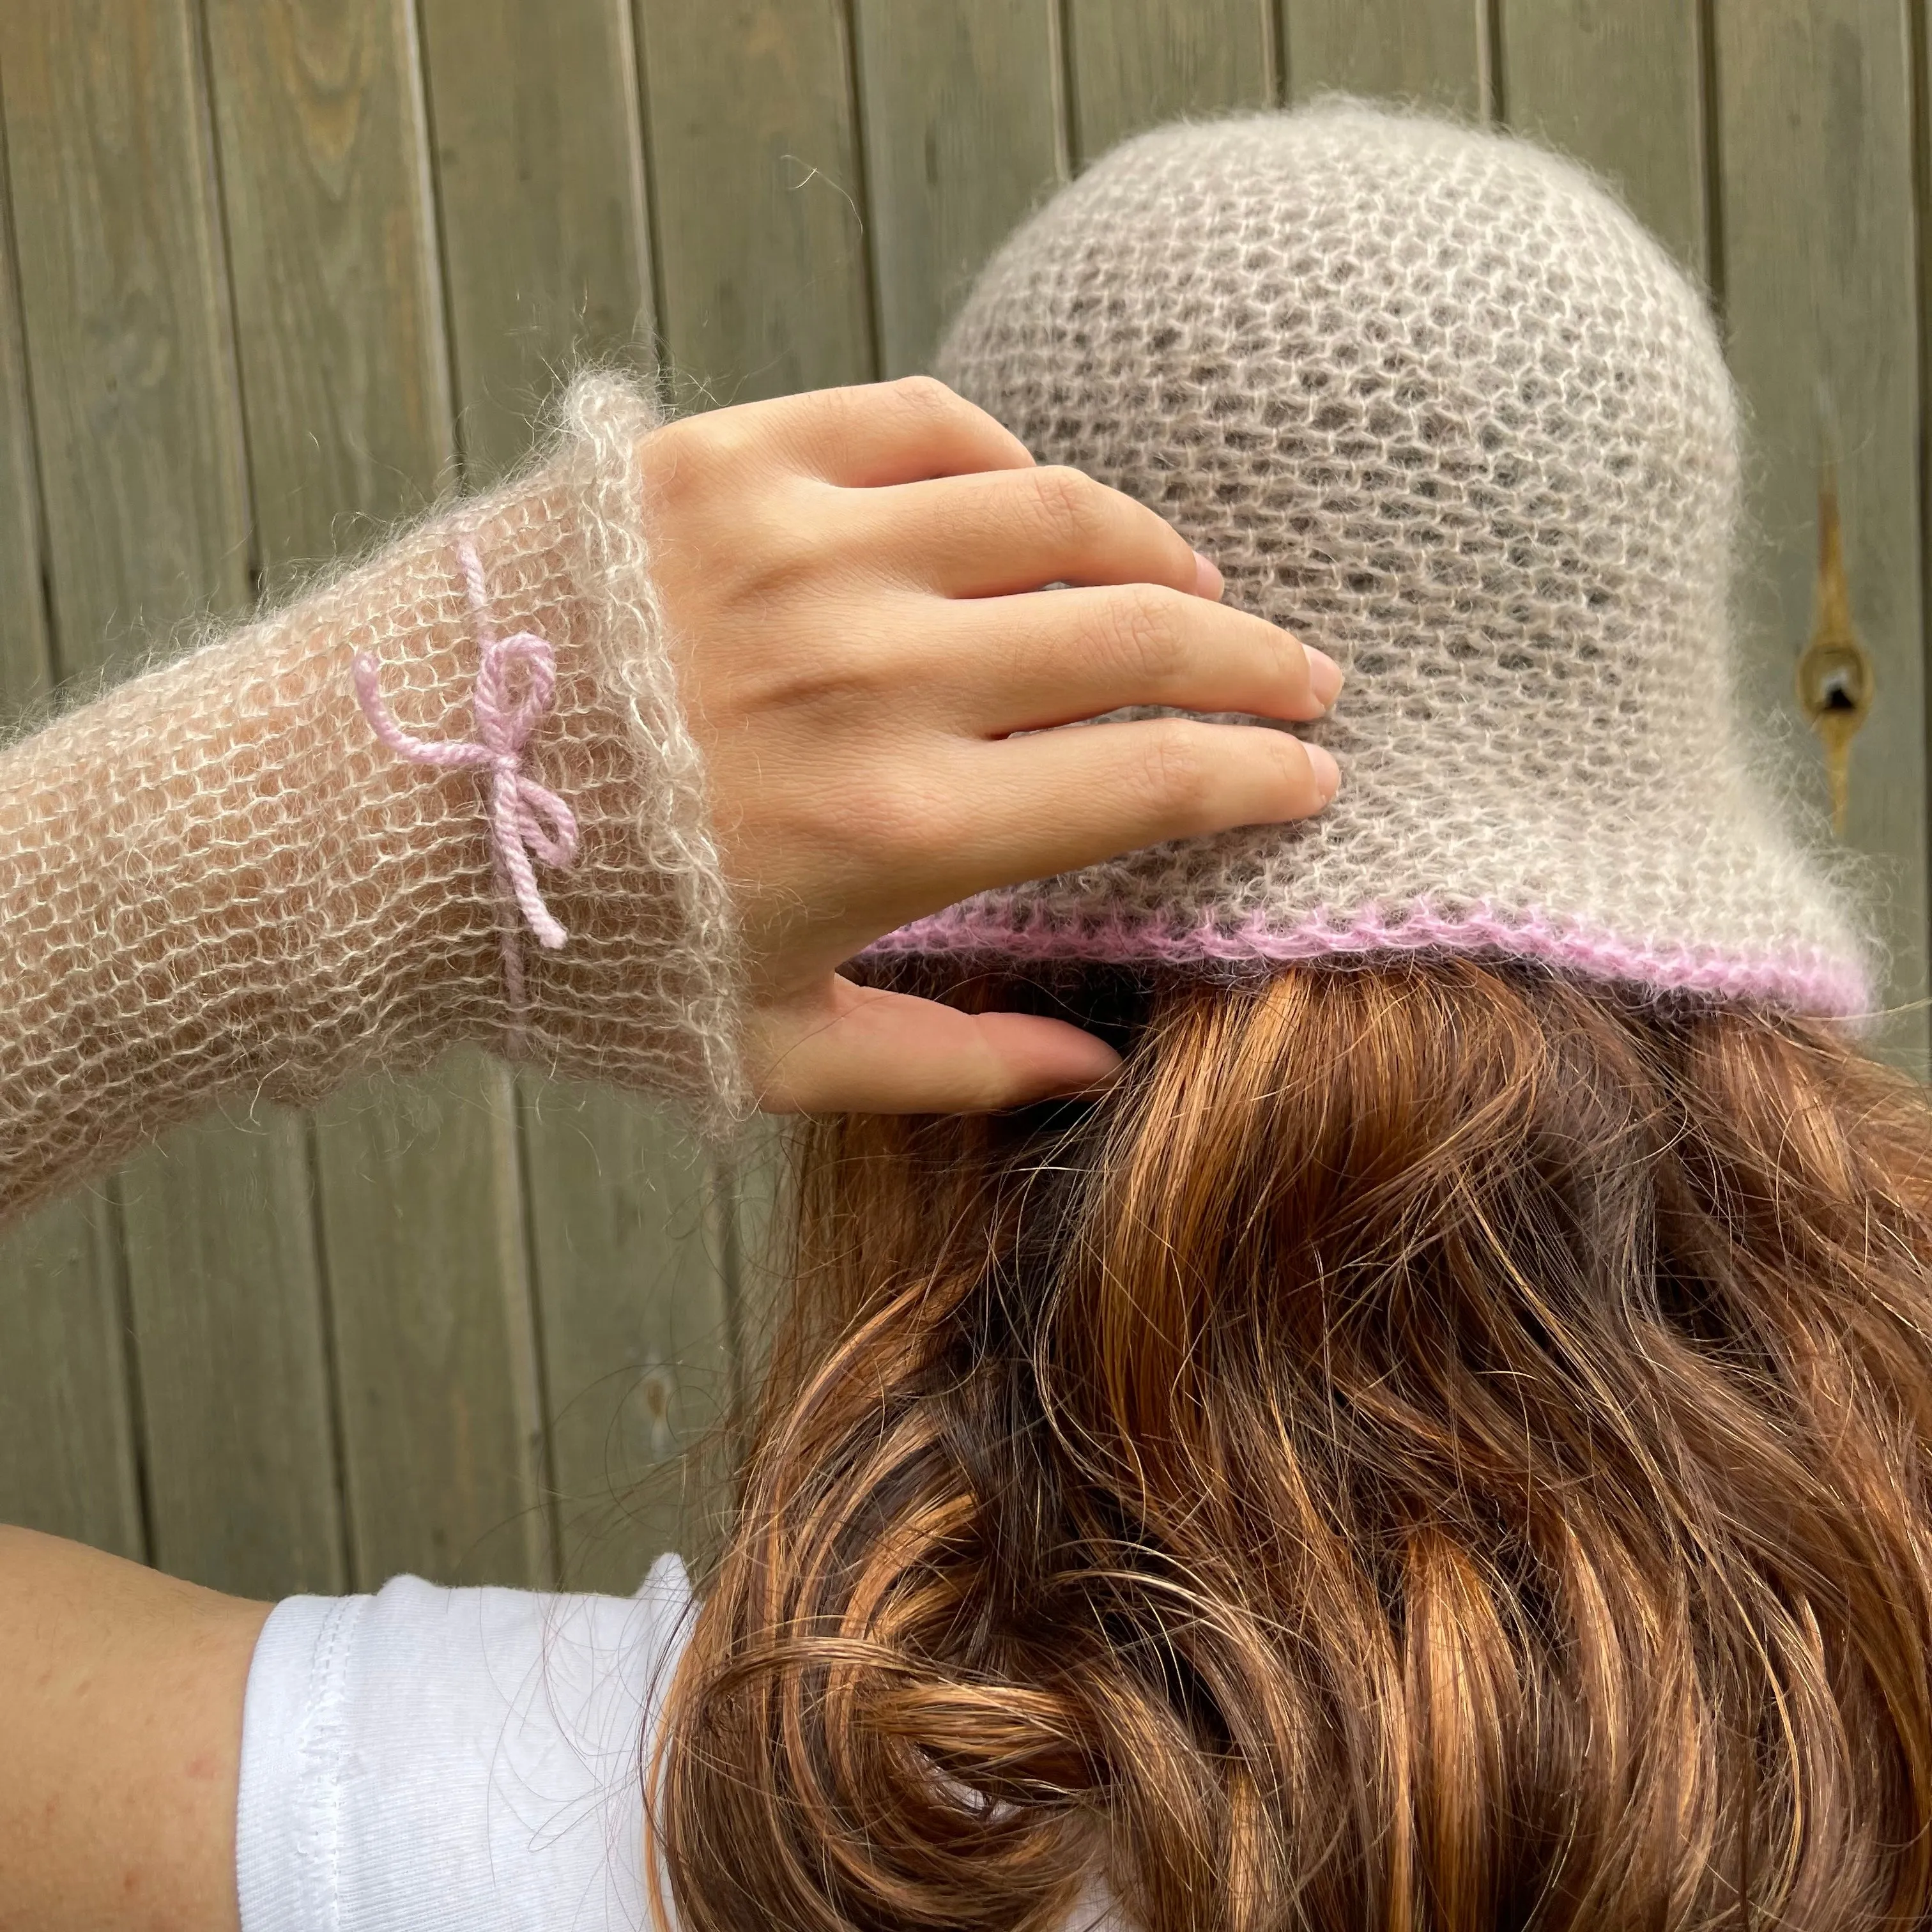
505	723
516	686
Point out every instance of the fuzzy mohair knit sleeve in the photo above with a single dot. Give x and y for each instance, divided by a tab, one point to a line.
215	880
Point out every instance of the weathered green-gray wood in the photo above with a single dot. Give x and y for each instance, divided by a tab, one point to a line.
67	1438
140	458
67	1450
1618	84
627	1227
436	1348
1815	119
233	1357
344	368
965	131
26	653
124	312
1434	51
627	1310
345	374
755	176
1135	63
539	167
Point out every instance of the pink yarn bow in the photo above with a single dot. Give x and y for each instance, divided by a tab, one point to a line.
525	818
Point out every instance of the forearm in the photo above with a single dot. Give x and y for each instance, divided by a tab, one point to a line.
216	879
121	1696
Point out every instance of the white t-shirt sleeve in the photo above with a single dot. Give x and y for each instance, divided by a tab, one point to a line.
434	1760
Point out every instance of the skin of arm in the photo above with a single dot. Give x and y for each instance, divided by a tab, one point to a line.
122	1693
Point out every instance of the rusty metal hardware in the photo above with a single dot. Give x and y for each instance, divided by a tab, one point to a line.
1834	675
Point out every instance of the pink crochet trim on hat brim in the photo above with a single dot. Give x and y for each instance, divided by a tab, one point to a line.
1809	982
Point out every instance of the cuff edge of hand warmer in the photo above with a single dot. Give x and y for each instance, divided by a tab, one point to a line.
601	423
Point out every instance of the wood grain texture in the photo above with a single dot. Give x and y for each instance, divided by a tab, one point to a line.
67	1447
539	168
1431	51
324	157
26	650
964	131
755	185
236	1403
125	321
325	170
1617	83
1816	160
423	1230
1135	63
627	1232
125	305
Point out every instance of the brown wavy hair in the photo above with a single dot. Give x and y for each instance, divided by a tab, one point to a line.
1438	1445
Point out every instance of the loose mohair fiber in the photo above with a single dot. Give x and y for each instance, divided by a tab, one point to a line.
1433	399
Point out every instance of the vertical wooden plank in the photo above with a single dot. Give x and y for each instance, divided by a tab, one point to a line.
1431	51
235	1397
539	169
754	175
627	1232
1135	63
67	1450
1816	173
964	131
1618	84
544	237
344	367
758	234
345	375
26	651
67	1438
124	316
441	1412
126	312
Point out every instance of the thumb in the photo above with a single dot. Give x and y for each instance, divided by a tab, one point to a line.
853	1050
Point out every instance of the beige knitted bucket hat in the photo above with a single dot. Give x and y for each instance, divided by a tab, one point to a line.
1433	399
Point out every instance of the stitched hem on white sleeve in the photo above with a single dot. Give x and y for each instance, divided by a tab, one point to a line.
434	1760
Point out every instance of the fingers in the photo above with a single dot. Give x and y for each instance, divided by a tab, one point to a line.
992	534
859	1050
1018	663
882	434
1057	800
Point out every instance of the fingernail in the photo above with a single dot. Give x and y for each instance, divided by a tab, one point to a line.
1208	579
1324	675
1327	773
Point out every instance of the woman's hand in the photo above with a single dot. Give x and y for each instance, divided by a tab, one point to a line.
853	578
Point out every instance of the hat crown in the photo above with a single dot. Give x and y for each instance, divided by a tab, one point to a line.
1431	397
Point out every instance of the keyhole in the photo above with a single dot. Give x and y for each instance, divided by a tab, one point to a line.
1836	695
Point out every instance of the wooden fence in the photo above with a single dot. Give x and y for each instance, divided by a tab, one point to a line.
275	271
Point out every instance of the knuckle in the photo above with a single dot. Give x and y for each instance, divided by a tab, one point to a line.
1175	774
925	396
1144	637
1066	504
695	457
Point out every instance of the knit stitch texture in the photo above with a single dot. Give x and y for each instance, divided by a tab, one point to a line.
1432	399
214	880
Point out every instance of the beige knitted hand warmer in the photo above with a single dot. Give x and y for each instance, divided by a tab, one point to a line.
214	880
